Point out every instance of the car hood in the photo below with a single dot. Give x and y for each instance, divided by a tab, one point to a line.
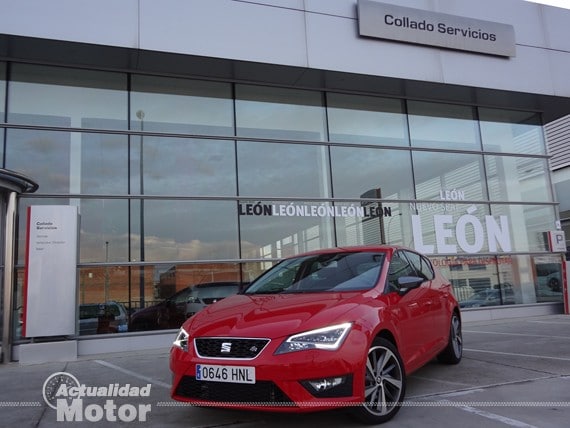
271	316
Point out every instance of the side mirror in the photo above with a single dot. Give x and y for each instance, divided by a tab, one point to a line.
407	283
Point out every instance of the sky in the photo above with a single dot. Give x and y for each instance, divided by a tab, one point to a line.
558	3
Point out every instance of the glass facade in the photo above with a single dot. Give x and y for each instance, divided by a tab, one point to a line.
182	182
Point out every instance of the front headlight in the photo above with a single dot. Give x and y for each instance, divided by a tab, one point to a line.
181	340
327	338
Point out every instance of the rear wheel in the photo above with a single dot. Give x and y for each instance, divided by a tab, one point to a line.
454	350
384	384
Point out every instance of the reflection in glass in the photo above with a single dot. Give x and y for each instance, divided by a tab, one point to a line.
279	169
443	126
449	176
58	96
366	120
181	106
251	270
43	155
112	299
183	166
357	171
549	278
278	234
521	179
446	228
188	230
70	162
509	131
382	223
294	114
104	230
529	224
482	281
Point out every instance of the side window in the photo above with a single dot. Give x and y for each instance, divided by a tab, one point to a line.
421	265
399	266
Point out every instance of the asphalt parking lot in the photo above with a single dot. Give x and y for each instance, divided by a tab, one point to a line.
514	373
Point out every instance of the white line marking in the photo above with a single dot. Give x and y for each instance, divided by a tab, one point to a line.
131	373
549	322
518	334
517	355
495	417
440	381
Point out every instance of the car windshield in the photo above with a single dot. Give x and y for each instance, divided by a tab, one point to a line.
350	271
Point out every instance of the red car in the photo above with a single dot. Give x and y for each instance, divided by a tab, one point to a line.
322	330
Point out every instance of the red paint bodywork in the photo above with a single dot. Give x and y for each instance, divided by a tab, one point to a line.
418	321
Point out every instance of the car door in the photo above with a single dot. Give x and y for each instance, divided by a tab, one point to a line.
411	309
435	298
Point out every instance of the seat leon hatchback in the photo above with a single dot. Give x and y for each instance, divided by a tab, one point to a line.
332	328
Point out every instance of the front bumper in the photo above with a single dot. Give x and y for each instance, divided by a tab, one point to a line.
280	380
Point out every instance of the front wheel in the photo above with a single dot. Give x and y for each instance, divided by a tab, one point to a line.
454	350
384	384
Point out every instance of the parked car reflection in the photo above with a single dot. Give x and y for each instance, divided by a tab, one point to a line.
490	297
101	318
173	311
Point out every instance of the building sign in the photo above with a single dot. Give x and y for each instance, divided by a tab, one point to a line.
51	271
404	24
467	233
557	241
308	210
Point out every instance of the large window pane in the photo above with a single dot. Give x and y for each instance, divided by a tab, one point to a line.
449	176
510	131
366	120
279	229
187	230
480	282
182	166
450	228
181	106
528	223
155	297
375	223
371	173
521	179
443	126
264	112
282	170
104	230
70	162
58	96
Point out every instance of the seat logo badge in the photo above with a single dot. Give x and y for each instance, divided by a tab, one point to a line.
226	347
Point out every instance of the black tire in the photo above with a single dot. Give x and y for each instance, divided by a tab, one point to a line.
454	350
384	384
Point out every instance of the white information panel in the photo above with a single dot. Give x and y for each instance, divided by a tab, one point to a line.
51	271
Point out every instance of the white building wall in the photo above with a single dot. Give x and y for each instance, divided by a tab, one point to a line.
321	34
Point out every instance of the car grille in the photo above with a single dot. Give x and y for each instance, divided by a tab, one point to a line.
258	394
208	347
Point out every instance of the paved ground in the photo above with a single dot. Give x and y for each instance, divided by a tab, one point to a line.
514	373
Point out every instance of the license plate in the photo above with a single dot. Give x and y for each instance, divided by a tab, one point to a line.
231	374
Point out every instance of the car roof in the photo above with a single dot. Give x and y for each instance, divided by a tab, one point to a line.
355	249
